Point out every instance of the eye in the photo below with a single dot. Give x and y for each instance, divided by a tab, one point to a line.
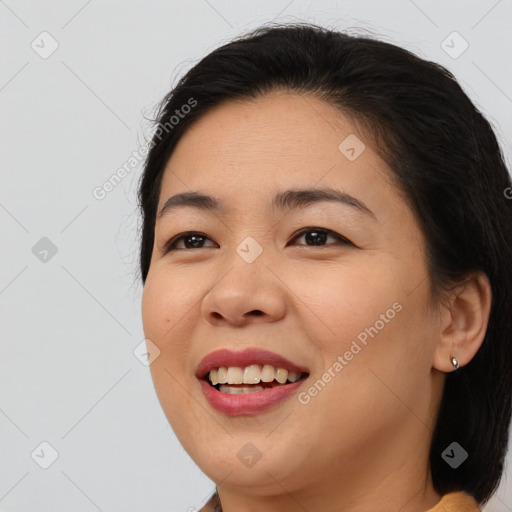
191	239
317	236
195	240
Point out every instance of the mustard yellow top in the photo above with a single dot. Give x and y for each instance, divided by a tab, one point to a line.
457	501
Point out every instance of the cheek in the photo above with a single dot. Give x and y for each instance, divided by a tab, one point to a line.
167	322
164	319
166	301
375	339
338	304
151	306
370	318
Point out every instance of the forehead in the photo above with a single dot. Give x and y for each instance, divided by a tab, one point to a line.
275	128
246	148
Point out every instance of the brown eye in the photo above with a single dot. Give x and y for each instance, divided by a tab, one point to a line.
318	236
191	240
314	237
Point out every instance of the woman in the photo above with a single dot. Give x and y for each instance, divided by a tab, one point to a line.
326	252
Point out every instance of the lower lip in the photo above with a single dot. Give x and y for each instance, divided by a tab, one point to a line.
248	403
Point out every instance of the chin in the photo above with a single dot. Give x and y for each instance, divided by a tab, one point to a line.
244	467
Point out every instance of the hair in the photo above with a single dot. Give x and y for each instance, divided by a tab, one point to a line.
445	161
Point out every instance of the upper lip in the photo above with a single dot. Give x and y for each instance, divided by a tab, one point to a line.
226	358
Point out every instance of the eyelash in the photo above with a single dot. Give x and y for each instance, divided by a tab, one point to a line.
170	245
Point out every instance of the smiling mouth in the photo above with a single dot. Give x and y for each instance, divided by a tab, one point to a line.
236	388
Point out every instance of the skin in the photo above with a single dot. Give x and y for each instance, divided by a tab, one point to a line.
362	443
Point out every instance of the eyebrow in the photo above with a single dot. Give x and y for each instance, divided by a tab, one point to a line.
288	199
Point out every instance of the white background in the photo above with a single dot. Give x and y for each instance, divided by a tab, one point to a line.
68	375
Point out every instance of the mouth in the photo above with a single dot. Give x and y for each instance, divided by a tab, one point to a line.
251	379
248	371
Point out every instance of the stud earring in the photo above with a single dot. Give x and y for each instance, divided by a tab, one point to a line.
455	363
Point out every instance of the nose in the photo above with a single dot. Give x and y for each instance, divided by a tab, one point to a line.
245	293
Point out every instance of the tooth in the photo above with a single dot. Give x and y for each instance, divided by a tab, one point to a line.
251	389
230	390
267	373
281	375
235	375
222	375
293	376
252	374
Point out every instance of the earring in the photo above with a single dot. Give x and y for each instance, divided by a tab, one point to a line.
455	363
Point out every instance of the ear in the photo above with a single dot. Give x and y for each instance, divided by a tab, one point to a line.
464	320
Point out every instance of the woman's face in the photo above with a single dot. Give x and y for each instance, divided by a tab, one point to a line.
353	313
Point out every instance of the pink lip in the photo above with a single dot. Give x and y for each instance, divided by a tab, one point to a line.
250	403
225	357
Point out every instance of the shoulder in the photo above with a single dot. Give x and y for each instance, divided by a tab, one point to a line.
213	504
456	501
